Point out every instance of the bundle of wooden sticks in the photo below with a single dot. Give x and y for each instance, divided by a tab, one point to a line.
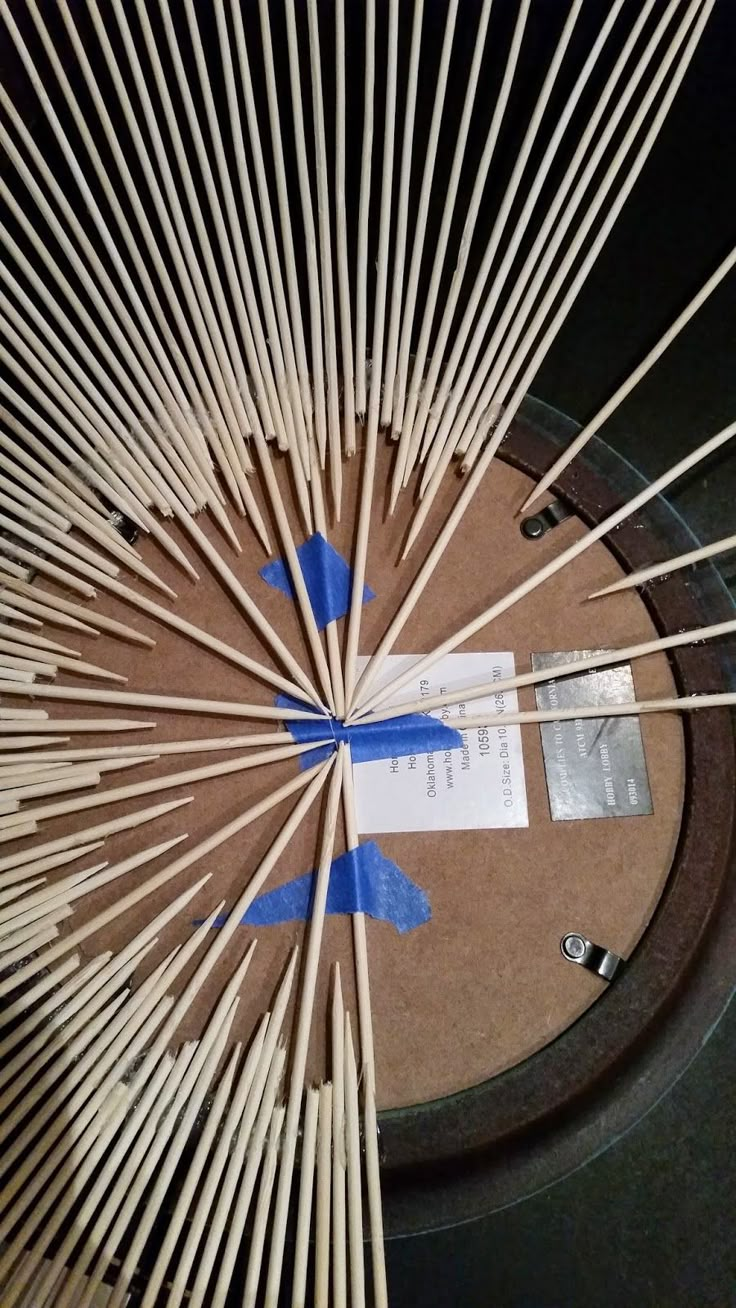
223	259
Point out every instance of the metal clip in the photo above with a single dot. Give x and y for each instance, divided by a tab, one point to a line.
578	949
540	523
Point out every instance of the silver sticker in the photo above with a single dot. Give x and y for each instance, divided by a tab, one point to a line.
595	767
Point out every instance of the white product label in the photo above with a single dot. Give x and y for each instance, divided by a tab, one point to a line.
477	787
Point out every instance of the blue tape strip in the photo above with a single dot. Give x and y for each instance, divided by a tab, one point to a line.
327	576
414	733
361	881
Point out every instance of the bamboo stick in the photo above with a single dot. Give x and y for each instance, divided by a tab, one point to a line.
306	1188
368	471
664	569
355	1199
703	451
339	1147
587	662
301	1039
260	1219
175	703
322	1215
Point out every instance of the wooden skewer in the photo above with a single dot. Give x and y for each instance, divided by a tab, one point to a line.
213	743
41	564
303	1031
466	384
420	230
92	1138
232	385
49	614
313	281
16	726
419	385
95	1076
72	1010
676	704
669	565
578	547
368	471
149	787
108	540
218	1163
42	865
521	383
574	667
176	703
270	279
341	237
260	1220
182	448
70	968
26	943
175	473
282	188
17	674
44	377
274	409
366	161
57	783
23	715
25	829
17	495
355	1200
187	1064
63	613
189	1187
26	454
498	366
260	1119
133	1126
89	1031
38	858
368	1057
142	389
322	1215
19	1008
15	891
334	652
10	569
232	1208
306	1188
339	1147
632	380
402	222
93	210
54	660
78	884
204	1073
219	429
325	247
15	883
26	662
15	615
290	436
8	632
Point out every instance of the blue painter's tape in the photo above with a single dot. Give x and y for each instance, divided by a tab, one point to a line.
327	576
361	881
413	733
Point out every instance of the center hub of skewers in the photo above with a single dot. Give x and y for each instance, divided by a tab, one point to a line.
368	737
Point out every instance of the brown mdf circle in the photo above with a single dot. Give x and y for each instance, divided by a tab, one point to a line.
483	985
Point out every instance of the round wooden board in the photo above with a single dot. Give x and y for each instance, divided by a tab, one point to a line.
483	985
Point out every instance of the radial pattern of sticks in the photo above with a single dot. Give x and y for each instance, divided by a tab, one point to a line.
265	274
